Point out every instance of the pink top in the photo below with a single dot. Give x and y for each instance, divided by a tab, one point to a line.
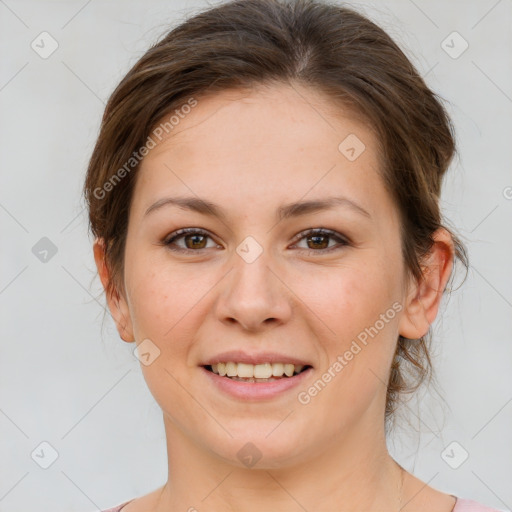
461	505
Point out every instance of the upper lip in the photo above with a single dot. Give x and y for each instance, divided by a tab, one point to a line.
239	356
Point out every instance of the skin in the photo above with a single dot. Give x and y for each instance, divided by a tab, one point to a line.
250	152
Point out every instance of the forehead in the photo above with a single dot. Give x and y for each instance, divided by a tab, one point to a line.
300	117
275	142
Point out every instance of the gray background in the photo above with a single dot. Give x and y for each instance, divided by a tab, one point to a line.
64	382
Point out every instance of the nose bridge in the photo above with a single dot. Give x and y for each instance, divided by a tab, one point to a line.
252	277
253	293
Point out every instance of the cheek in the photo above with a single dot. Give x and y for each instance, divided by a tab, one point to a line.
356	304
347	299
162	311
151	307
160	295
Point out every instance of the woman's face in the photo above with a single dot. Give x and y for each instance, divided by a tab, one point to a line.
255	282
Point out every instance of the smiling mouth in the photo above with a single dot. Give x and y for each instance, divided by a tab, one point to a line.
266	372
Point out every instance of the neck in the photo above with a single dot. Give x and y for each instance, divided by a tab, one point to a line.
353	471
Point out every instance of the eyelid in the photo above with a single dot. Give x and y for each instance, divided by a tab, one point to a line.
180	233
321	231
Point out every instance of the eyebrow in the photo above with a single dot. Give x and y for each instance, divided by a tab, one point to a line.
205	207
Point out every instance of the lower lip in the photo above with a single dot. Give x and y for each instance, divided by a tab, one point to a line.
256	390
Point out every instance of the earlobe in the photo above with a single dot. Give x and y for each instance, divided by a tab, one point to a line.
117	304
123	322
423	301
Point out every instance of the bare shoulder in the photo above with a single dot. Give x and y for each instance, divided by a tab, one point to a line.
145	503
420	497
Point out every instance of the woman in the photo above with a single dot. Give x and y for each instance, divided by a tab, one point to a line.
264	194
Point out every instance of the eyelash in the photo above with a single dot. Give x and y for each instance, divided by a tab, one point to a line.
316	232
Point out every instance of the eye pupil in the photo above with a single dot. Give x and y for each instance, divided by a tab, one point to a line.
316	237
188	237
196	240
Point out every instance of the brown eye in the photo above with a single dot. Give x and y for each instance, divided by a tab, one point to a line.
318	240
194	239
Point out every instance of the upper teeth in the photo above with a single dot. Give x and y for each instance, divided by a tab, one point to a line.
258	371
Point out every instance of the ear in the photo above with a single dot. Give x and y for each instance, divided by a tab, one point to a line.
424	298
116	302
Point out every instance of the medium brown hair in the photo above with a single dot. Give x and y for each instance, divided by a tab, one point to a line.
330	49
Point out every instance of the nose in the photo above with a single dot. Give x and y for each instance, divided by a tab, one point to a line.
254	295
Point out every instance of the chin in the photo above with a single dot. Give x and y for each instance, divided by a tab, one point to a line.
260	450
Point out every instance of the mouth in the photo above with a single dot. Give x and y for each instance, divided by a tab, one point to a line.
259	373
